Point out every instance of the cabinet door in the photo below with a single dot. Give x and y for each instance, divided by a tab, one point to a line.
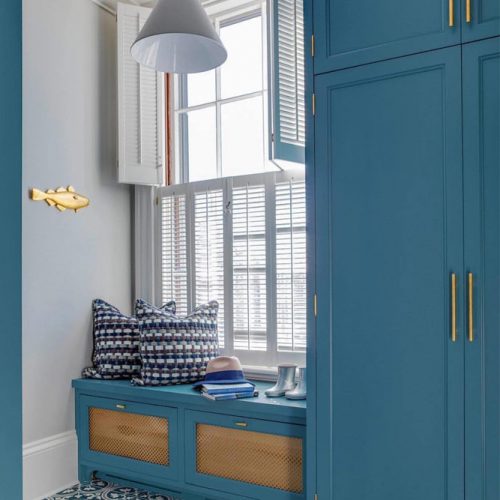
484	19
246	457
127	435
353	32
481	70
389	236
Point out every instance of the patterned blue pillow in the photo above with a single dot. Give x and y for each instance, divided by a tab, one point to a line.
116	343
176	350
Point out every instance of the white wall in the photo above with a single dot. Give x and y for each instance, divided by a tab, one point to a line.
68	259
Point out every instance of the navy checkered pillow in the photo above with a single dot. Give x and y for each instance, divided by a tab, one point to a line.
116	342
176	350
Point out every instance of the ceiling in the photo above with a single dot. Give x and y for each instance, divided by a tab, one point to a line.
111	4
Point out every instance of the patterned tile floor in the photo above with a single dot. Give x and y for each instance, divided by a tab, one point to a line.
101	490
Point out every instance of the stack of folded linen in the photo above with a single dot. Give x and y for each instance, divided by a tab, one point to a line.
217	392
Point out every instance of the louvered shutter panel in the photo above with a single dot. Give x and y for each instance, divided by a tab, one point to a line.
249	268
174	251
288	125
291	266
140	107
209	251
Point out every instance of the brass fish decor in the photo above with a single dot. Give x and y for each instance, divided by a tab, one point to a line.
61	198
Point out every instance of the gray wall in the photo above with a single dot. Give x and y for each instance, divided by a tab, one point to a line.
68	259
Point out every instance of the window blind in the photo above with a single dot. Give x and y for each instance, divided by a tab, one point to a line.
288	80
240	241
209	251
174	251
249	268
291	266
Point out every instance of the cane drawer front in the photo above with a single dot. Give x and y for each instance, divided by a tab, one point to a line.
255	458
129	435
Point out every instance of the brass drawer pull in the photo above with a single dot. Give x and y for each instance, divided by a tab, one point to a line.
121	407
451	13
453	307
241	424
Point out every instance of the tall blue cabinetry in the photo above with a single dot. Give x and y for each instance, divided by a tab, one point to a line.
354	32
11	250
481	142
390	208
405	173
481	19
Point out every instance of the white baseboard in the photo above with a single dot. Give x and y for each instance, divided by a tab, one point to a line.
50	465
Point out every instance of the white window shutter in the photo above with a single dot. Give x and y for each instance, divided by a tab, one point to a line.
240	241
209	251
291	310
249	268
174	251
288	75
140	107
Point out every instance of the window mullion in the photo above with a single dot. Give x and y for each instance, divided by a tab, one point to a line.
218	132
184	153
218	118
183	129
267	129
157	238
191	249
228	267
226	100
272	322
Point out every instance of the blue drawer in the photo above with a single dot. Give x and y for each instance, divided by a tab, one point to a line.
247	457
131	436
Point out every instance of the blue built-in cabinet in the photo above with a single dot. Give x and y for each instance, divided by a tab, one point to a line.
404	192
481	133
483	20
11	250
389	205
171	440
354	32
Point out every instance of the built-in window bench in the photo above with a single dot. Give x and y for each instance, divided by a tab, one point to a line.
173	441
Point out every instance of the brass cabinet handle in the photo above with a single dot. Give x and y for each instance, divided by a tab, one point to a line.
471	307
468	16
453	307
241	424
451	13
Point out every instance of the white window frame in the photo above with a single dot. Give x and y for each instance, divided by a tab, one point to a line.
226	17
260	361
259	365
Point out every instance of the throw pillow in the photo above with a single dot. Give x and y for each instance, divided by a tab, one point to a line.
116	342
176	350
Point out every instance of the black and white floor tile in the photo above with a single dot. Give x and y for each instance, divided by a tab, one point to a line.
101	490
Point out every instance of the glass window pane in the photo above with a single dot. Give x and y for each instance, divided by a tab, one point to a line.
242	72
242	137
201	144
200	88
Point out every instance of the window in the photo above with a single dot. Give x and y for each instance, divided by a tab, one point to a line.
221	116
238	119
240	241
231	226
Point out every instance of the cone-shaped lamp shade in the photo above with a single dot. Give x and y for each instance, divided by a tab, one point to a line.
178	37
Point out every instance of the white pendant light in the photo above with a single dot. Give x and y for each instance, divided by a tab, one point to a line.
178	37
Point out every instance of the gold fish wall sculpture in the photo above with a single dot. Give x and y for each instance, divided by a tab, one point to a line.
61	198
